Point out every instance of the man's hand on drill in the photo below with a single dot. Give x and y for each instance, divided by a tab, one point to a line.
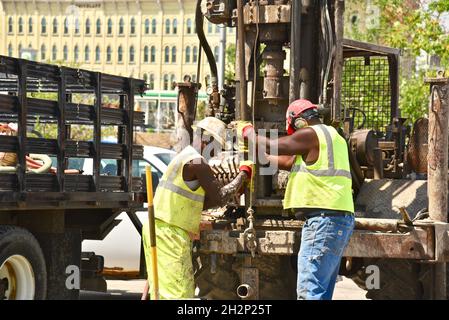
247	167
245	130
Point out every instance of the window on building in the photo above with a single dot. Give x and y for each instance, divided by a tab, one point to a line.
19	50
172	82
66	26
153	26
145	77
77	26
30	25
188	54
43	52
97	54
109	26
86	53
189	26
173	55
87	26
55	25
167	54
194	78
147	26
108	54
153	54
121	26
10	25
133	26
151	82
217	53
43	25
120	54
165	86
209	27
20	25
217	28
131	54
98	26
175	26
76	54
167	26
195	54
65	53
54	53
10	50
146	54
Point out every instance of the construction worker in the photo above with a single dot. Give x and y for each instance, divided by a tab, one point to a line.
319	191
185	190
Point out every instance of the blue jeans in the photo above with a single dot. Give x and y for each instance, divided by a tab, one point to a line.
323	241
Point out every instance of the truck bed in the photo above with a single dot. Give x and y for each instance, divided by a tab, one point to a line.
26	190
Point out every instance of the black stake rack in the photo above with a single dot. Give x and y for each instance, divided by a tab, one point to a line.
20	77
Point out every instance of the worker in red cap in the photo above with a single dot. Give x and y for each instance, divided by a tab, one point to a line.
319	191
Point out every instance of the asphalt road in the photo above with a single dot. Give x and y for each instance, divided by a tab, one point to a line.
132	290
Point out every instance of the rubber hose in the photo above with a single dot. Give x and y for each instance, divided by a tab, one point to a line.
205	45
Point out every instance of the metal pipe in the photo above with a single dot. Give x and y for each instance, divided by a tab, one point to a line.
204	44
438	153
437	186
338	63
378	164
245	291
295	51
243	98
222	59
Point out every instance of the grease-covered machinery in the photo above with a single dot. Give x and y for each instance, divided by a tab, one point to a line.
287	50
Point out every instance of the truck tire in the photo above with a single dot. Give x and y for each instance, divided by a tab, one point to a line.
277	277
23	274
400	279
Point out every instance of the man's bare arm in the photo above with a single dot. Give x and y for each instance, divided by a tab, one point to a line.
298	143
215	195
282	162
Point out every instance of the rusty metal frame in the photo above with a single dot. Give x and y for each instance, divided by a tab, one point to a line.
426	241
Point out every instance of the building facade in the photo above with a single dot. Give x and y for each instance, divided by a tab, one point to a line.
151	39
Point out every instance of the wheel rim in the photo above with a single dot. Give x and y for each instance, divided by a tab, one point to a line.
17	280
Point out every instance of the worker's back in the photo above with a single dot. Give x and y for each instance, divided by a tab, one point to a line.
175	202
325	184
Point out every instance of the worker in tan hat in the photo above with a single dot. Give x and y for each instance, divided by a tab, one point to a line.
185	190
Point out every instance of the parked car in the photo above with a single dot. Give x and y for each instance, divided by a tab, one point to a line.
121	248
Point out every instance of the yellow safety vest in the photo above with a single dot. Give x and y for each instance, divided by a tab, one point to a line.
327	183
174	202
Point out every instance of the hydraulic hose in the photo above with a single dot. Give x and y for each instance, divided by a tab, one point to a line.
205	45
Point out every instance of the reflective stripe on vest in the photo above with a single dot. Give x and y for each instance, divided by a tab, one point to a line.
327	183
169	185
331	171
173	188
175	203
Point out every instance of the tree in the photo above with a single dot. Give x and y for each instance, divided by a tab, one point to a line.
230	63
415	27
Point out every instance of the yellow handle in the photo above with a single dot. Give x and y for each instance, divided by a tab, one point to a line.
151	224
149	178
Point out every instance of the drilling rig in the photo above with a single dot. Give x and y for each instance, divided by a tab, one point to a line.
292	49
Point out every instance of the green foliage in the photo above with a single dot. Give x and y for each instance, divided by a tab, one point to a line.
414	97
414	27
230	63
200	110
